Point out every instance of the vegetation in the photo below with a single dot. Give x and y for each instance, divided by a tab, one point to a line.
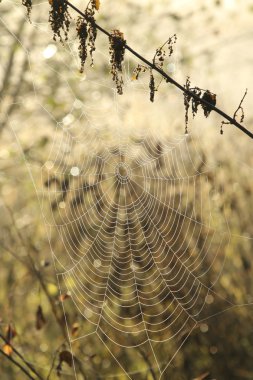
83	169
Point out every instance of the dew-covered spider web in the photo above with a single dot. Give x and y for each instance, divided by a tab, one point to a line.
134	252
131	207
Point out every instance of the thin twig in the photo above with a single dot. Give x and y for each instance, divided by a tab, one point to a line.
53	362
240	106
36	272
17	364
169	79
32	267
30	366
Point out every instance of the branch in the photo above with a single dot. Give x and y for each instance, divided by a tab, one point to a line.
17	364
32	267
240	108
21	357
53	362
231	120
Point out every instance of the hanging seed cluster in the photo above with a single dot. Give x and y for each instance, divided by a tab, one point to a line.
187	99
28	5
91	26
205	95
59	19
117	53
87	33
152	88
82	32
163	52
92	35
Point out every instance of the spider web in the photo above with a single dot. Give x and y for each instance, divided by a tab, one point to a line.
136	253
132	222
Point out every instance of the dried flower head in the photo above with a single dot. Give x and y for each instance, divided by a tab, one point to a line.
117	53
28	5
59	18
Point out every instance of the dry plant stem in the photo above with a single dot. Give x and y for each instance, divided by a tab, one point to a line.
77	362
13	361
168	79
22	358
53	362
240	106
32	267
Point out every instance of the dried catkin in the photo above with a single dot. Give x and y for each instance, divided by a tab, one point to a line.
152	87
82	32
87	33
187	99
117	53
59	19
